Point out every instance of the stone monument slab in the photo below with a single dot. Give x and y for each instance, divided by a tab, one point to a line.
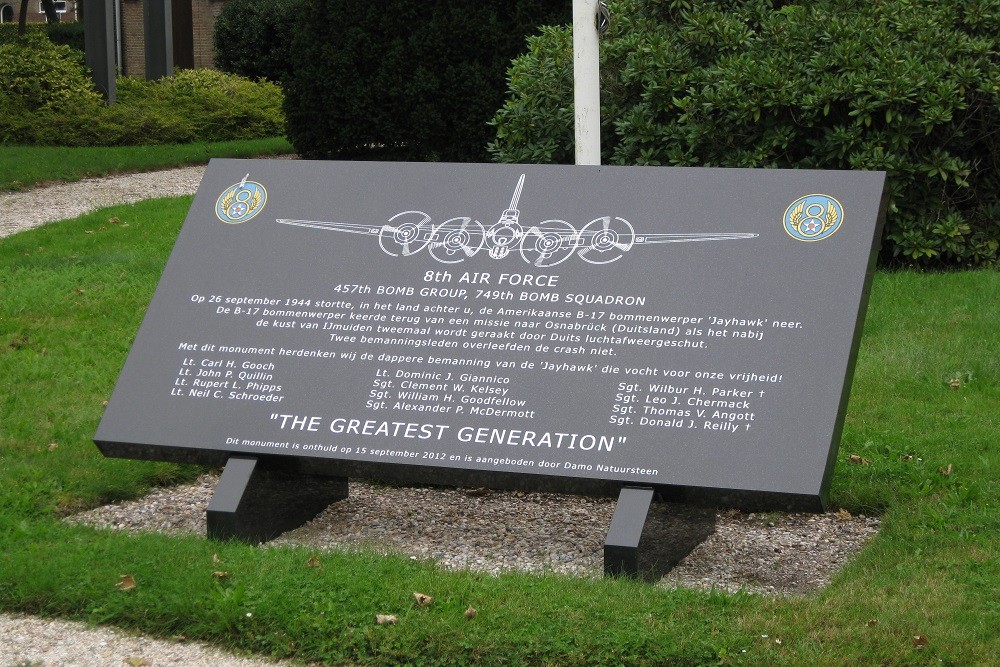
559	327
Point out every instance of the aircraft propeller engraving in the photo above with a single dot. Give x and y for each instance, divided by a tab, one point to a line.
601	241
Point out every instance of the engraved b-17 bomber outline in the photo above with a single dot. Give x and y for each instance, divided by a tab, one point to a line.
601	241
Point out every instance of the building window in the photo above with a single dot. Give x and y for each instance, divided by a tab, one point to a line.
59	4
6	14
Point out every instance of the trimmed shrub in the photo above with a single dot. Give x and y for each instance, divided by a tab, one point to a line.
8	31
407	79
253	37
69	33
208	104
46	98
45	76
909	87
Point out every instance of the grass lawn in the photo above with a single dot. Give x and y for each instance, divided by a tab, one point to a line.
924	418
26	166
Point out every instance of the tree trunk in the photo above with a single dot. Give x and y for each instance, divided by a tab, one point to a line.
22	19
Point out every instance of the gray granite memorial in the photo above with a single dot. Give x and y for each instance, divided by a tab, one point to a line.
688	333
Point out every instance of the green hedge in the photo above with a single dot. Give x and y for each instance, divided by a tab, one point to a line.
408	79
38	76
907	86
48	99
69	33
8	31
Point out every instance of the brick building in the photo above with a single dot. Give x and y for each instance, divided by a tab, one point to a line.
10	11
193	23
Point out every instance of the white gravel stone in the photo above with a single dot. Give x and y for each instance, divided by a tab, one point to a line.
775	554
32	208
40	642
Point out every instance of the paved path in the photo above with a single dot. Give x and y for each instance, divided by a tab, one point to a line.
31	208
37	642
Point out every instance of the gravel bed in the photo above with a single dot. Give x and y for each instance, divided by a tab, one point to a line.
775	554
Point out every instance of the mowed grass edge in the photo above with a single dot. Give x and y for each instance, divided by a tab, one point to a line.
29	166
921	429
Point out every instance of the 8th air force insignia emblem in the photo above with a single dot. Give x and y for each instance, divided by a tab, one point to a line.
241	202
813	217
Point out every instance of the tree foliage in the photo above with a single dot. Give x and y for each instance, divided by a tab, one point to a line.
911	87
253	37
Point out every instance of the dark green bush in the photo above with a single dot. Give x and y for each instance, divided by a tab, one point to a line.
46	98
8	31
408	79
69	33
253	37
907	86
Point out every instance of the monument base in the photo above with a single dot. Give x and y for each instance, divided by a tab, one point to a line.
621	546
255	502
645	542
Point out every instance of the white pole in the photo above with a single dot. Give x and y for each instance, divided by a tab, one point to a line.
586	82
